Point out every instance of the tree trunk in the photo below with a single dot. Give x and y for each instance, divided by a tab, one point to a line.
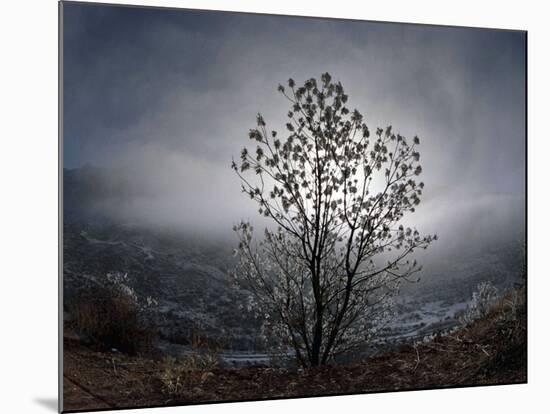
317	340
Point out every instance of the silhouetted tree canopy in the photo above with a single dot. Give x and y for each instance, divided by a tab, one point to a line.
323	276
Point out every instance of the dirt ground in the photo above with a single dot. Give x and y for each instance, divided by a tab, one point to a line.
490	351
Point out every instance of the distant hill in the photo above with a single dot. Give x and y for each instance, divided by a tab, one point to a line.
188	272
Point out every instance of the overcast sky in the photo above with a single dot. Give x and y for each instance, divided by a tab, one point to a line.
168	97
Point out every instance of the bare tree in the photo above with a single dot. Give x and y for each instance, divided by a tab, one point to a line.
337	252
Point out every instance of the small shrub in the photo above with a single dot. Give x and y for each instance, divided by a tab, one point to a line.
483	299
110	316
181	376
512	306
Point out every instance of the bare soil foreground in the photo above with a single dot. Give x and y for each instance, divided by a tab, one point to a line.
489	351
